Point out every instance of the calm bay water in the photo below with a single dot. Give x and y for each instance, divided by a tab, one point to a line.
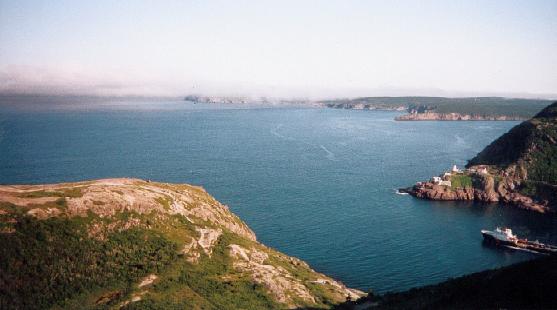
318	184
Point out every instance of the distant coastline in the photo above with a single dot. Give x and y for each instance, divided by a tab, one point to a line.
417	108
447	109
432	116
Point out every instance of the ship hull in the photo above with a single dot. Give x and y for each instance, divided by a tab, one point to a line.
491	239
520	245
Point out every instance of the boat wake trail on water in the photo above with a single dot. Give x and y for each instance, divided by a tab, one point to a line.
275	132
460	141
524	250
328	154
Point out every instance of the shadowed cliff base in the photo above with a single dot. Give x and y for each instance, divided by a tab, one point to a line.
528	285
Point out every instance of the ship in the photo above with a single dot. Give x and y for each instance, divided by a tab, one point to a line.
505	237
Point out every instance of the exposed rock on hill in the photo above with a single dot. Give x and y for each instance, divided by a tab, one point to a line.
129	243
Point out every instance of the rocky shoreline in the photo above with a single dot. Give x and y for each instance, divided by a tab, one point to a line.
489	187
519	168
433	116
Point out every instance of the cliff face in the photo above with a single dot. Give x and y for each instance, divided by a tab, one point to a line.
434	116
520	168
129	243
485	189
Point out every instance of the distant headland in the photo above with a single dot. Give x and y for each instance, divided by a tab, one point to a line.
416	108
447	109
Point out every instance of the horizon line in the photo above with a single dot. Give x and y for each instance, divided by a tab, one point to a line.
526	96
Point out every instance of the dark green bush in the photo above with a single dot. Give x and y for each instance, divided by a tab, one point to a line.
45	262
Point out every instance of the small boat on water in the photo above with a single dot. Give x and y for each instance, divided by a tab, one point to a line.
505	237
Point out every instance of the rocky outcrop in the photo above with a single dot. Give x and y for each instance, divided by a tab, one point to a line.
207	238
431	191
518	168
108	197
485	188
280	280
434	116
189	245
275	278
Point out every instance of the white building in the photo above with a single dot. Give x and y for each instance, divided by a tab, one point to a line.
446	183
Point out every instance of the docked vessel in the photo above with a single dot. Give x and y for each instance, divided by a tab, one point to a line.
505	237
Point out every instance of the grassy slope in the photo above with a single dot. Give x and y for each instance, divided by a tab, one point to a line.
55	263
531	146
461	181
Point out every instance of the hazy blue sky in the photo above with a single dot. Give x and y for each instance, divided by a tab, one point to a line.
282	48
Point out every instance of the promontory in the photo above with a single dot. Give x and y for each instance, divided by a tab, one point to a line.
131	244
519	168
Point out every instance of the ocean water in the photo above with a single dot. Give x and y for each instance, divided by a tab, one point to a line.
318	184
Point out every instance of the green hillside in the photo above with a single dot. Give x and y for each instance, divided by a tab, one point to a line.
531	147
483	106
132	244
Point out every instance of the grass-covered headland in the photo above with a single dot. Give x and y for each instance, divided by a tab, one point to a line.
480	107
132	244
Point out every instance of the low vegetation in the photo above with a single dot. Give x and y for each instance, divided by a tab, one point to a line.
46	262
213	283
64	257
461	181
528	152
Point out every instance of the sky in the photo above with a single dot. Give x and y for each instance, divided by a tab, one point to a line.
279	48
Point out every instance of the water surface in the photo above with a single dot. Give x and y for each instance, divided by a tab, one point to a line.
318	184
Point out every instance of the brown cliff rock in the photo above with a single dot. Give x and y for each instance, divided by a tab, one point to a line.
485	189
434	116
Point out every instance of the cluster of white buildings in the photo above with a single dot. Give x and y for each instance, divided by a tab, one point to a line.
441	181
445	179
479	169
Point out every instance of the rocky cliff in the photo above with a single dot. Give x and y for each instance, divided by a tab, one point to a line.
485	188
129	243
519	168
433	116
